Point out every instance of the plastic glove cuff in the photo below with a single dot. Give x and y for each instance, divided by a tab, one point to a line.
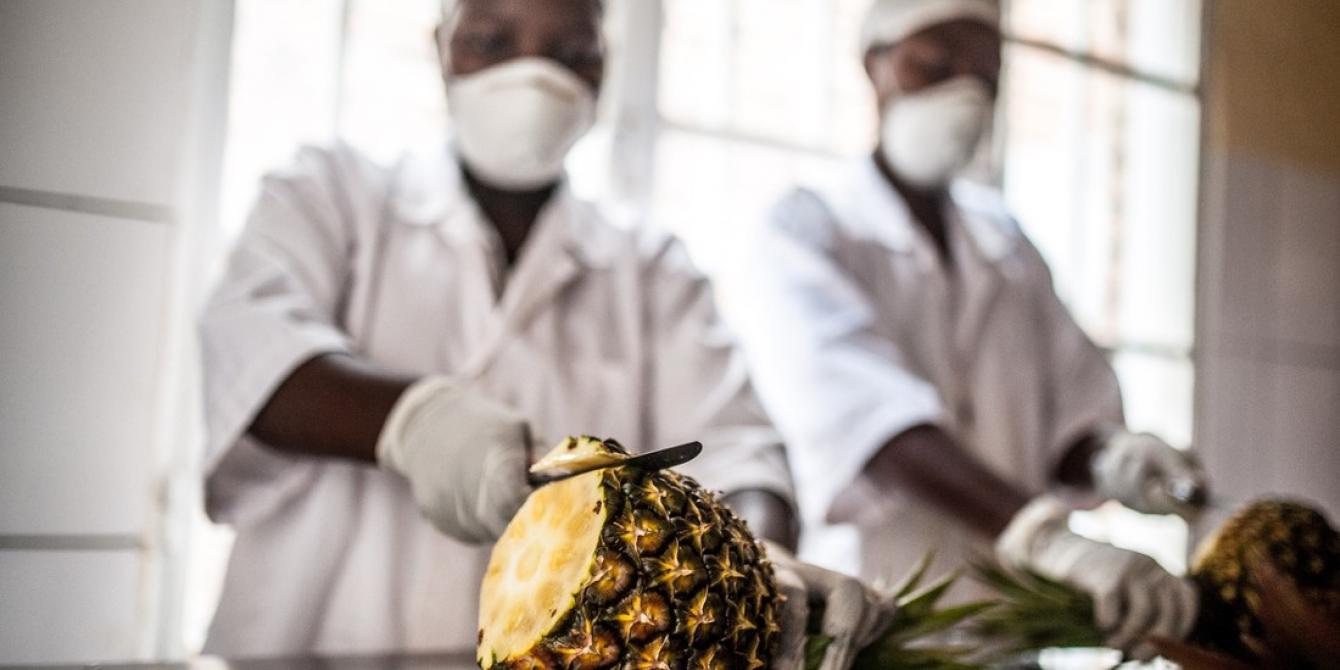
1038	520
393	438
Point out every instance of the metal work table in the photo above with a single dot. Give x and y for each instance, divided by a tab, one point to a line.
463	660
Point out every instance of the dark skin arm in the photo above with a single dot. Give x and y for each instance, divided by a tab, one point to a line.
333	405
930	464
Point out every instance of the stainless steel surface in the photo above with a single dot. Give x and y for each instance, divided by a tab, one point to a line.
459	660
654	460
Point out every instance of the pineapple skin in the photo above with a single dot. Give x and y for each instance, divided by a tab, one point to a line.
677	583
1295	537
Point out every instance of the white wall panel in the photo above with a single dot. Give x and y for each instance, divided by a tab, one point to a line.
82	298
1238	240
95	96
1269	365
1307	286
69	607
1236	424
1305	442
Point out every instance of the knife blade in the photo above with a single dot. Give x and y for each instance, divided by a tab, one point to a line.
652	460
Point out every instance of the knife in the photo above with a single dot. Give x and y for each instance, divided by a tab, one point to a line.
652	460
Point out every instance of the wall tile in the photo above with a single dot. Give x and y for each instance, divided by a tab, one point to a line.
1307	288
82	298
1236	424
95	96
1238	243
1305	438
69	607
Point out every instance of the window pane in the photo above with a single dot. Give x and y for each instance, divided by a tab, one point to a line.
392	86
786	71
1157	394
281	93
708	188
1059	164
1156	37
1158	232
1102	171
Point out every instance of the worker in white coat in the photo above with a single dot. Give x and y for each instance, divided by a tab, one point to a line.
391	345
930	386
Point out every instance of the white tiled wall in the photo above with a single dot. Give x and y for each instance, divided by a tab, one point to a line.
1269	345
76	407
109	77
81	604
102	157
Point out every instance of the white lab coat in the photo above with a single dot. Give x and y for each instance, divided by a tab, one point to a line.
855	331
598	330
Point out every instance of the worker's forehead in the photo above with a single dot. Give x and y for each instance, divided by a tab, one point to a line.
961	34
570	9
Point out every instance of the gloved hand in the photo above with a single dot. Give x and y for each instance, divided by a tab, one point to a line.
854	614
1134	598
464	455
1141	471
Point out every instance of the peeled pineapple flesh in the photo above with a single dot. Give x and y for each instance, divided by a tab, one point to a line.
643	570
1297	539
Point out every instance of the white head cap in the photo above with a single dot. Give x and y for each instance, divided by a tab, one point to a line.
890	21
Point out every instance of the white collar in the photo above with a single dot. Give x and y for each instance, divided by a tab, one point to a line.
865	201
428	189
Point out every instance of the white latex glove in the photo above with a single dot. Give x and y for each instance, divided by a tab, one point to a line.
464	455
1141	471
1133	596
854	614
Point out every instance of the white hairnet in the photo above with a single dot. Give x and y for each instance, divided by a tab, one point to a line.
890	21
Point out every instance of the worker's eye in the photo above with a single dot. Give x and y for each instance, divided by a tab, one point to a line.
925	60
932	67
486	43
583	57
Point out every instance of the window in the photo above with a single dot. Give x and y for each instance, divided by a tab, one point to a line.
1099	136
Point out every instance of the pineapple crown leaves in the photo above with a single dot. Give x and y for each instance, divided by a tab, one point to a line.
1034	611
917	618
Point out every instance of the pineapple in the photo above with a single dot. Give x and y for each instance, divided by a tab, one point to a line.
1296	539
618	567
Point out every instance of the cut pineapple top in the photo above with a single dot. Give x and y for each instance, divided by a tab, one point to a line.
573	455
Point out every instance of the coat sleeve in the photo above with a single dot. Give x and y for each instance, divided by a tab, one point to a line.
274	308
837	388
700	387
1083	395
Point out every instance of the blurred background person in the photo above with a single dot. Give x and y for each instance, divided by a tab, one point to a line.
436	319
931	386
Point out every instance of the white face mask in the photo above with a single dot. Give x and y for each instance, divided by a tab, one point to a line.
929	136
515	122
